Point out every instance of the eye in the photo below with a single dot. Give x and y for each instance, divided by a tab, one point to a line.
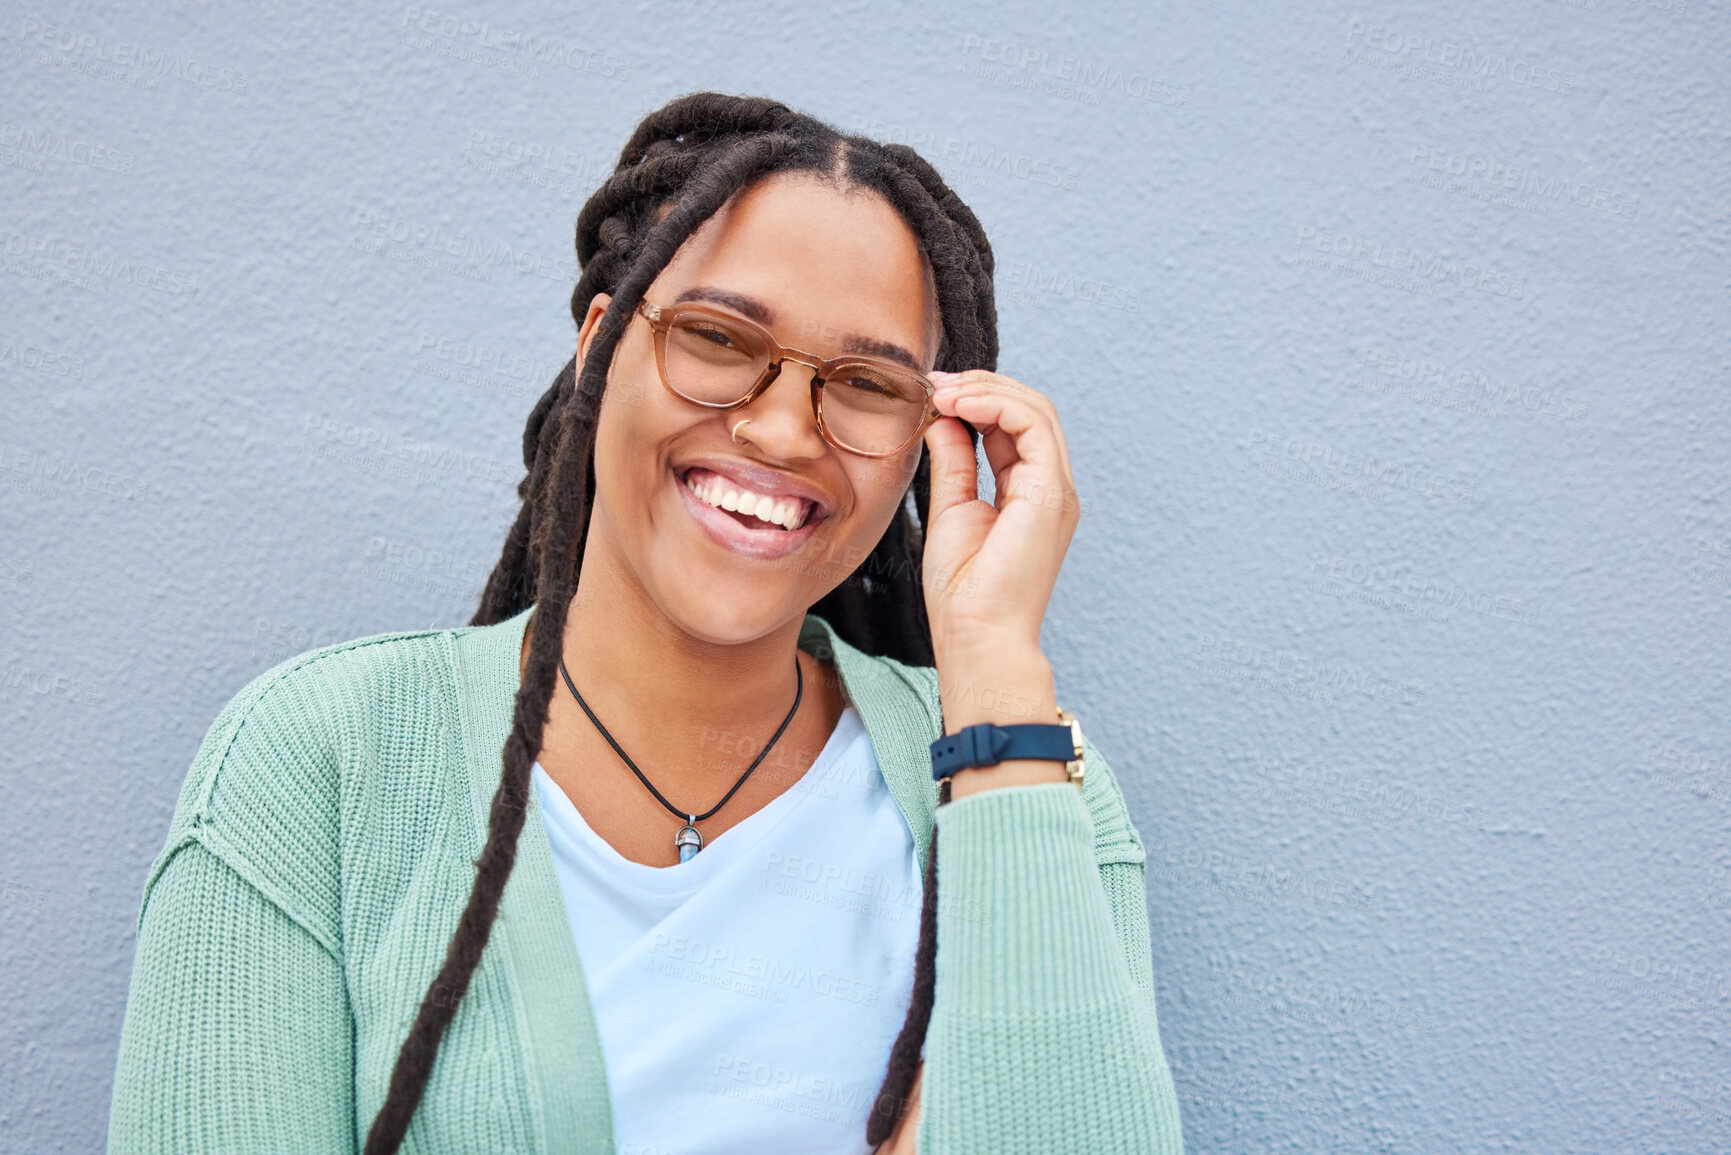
713	333
868	382
868	385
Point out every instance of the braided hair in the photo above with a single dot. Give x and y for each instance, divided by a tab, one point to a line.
682	164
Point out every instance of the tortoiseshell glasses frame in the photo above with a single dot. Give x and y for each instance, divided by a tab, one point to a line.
768	355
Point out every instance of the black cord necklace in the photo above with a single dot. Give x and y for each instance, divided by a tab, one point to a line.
688	840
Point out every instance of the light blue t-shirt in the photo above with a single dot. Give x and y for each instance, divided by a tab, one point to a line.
747	999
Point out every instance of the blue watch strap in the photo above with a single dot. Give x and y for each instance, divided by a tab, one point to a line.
986	745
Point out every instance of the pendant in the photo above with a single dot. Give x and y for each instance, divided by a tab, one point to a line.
688	840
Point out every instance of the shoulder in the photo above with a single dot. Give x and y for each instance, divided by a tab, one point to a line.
267	790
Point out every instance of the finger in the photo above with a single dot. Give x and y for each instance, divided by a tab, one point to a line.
981	380
1021	480
954	472
1023	445
1014	431
1000	450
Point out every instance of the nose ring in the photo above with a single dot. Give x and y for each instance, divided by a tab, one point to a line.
735	433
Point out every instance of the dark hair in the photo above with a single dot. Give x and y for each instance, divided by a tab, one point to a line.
690	157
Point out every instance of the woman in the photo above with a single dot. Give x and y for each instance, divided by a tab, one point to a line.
354	936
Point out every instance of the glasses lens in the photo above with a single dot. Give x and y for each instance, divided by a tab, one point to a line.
866	407
872	408
709	359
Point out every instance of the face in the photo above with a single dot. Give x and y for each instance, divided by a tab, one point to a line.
821	269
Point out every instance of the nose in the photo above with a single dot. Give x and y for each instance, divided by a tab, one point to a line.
782	421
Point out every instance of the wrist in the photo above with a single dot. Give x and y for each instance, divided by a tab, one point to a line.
1009	690
1016	772
1004	689
973	646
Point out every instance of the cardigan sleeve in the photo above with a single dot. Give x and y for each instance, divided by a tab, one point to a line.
1043	1036
238	1036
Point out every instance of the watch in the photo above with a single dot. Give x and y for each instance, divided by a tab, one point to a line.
986	745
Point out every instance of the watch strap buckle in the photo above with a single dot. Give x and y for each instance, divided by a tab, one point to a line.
985	744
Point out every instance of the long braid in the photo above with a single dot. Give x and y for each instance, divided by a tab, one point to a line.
918	192
681	165
555	546
965	302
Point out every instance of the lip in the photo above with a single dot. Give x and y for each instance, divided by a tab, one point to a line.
725	531
767	482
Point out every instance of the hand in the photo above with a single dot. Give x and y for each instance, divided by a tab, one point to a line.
990	567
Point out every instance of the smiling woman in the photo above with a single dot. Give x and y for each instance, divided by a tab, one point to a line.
600	871
792	254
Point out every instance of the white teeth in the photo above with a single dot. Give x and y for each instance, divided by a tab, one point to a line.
785	512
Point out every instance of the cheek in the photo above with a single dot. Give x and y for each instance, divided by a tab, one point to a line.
628	461
901	476
634	401
637	415
878	486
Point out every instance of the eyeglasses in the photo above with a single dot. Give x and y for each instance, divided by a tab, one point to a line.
866	405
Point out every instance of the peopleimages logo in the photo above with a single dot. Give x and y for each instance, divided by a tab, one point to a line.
1220	654
514	42
1472	387
329	437
127	54
1463	59
416	242
45	144
17	675
53	254
1087	76
1401	258
39	472
41	360
511	152
1322	458
1039	281
1523	180
983	158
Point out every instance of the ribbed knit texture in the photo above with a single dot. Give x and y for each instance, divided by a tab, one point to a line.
323	847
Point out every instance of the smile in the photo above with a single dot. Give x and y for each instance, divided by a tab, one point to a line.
782	512
746	522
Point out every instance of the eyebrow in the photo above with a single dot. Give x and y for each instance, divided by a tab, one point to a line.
763	315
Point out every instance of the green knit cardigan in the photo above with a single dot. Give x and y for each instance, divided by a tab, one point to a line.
323	846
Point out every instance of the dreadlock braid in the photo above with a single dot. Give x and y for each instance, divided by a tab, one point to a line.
684	162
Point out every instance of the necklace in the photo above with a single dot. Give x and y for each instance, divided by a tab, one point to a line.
688	840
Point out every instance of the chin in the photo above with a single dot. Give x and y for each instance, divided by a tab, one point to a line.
721	611
728	578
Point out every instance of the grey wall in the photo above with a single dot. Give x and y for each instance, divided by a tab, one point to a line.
1391	347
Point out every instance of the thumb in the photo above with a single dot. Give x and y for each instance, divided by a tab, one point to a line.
955	471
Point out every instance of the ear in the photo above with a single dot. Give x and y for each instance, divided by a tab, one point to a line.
597	306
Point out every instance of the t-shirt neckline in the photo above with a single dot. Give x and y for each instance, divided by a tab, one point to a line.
726	846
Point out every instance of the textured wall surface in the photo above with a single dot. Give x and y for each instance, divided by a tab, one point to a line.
1391	345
